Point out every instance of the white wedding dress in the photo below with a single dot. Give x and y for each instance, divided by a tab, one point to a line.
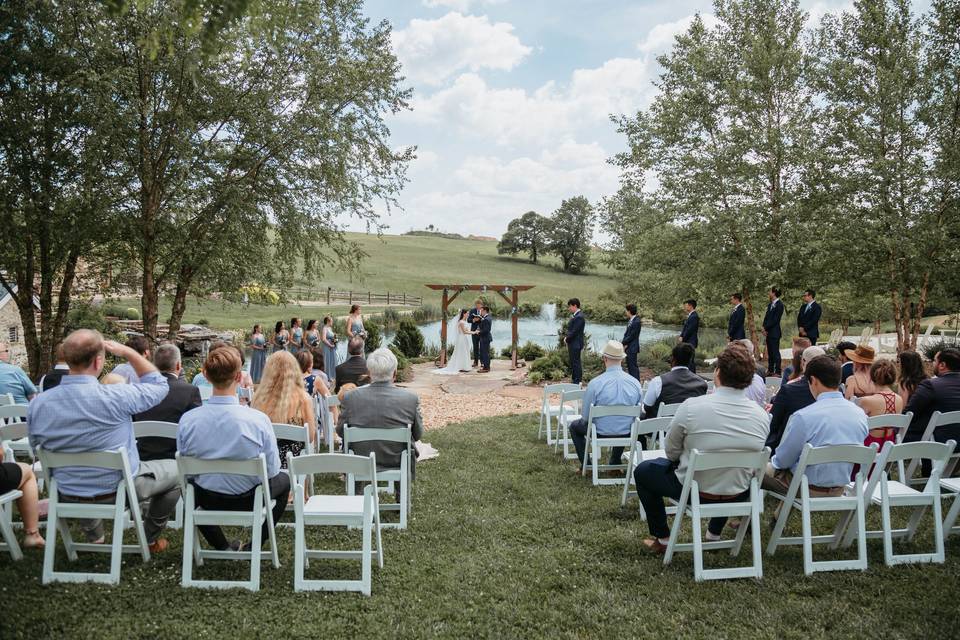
460	360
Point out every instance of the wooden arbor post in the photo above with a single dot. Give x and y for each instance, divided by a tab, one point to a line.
501	290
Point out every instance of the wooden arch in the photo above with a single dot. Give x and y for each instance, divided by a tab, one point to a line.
509	292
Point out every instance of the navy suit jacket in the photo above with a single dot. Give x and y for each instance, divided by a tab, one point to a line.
935	394
771	320
631	337
789	399
575	327
690	329
735	330
486	324
810	322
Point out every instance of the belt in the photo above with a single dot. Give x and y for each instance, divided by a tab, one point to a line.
718	498
824	489
101	498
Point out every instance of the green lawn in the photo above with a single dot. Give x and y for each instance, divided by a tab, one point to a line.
504	542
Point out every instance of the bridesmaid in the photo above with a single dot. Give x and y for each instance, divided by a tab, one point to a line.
258	346
296	336
329	340
280	337
355	323
312	336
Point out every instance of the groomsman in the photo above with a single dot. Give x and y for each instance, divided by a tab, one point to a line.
735	330
473	317
690	329
631	340
771	329
808	319
574	338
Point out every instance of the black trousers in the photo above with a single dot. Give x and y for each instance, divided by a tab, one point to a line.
773	355
476	349
576	368
632	367
578	433
214	501
485	353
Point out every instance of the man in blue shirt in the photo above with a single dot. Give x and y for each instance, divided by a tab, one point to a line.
82	415
223	429
830	420
13	379
614	387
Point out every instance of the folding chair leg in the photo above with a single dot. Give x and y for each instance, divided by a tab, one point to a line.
116	554
299	552
9	536
807	533
256	544
366	559
755	535
50	550
697	541
951	518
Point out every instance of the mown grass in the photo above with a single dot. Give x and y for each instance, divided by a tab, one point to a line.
504	542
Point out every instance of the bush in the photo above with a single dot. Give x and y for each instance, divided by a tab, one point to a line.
391	317
933	348
425	313
409	340
374	336
86	316
111	310
131	314
203	322
535	377
530	352
403	364
507	352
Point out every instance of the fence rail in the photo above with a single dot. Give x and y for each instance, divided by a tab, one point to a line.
331	295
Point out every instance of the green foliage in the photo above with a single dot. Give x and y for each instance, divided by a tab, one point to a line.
931	349
391	317
131	314
409	339
426	313
570	233
403	363
85	315
555	365
374	335
530	352
203	322
535	377
529	233
429	233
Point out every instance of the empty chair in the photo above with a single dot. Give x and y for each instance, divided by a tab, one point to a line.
570	410
549	410
930	434
259	513
13	429
402	475
354	511
595	442
59	512
690	504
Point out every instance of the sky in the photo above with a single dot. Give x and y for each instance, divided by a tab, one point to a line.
512	100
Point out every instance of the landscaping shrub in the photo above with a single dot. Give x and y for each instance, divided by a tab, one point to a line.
131	314
391	317
530	351
374	336
933	348
425	313
409	340
403	364
84	315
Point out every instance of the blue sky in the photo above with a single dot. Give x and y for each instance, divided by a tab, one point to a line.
512	99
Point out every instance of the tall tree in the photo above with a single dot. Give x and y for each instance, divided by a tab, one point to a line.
571	232
526	234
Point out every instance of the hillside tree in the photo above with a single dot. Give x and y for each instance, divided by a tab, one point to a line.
571	233
527	234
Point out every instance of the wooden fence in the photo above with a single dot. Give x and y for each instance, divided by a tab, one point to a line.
331	295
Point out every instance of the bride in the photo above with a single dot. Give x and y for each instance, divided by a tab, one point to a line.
460	360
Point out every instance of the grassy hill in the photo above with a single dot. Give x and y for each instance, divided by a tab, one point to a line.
403	264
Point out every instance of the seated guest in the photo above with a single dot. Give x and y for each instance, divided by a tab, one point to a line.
614	387
283	399
313	384
81	415
757	391
344	390
941	393
318	367
790	398
381	404
830	420
246	381
912	373
846	363
181	397
723	421
142	346
859	384
224	430
13	379
792	372
354	368
676	385
52	378
17	475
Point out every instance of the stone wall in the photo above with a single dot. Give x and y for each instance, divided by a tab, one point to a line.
10	318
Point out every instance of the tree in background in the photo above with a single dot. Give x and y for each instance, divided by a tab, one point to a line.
570	233
526	234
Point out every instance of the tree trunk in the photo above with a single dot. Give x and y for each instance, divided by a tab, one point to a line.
184	281
751	322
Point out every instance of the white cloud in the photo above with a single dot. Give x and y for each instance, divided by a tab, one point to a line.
660	38
433	50
459	5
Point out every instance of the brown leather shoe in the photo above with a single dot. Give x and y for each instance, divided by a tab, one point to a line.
655	546
159	545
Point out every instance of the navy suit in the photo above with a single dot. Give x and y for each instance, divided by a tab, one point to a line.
631	344
473	317
789	399
735	330
689	334
575	327
771	324
934	394
809	321
486	324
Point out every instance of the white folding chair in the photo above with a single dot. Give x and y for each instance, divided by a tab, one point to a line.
59	512
772	386
324	404
243	393
887	493
571	408
651	427
596	443
690	505
160	429
549	411
336	510
937	420
6	524
401	475
195	516
668	410
13	429
798	496
899	422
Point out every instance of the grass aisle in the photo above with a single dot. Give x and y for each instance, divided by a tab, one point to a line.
504	542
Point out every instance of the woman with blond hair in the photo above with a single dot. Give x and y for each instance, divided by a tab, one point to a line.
282	397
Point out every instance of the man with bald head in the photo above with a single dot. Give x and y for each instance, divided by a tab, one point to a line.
81	415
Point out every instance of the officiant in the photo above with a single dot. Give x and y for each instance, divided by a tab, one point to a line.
474	316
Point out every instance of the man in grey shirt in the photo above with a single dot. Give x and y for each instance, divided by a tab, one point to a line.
382	405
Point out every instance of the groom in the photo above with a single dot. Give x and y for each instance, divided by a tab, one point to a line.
486	323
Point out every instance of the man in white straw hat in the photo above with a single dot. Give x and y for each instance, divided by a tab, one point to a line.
614	387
